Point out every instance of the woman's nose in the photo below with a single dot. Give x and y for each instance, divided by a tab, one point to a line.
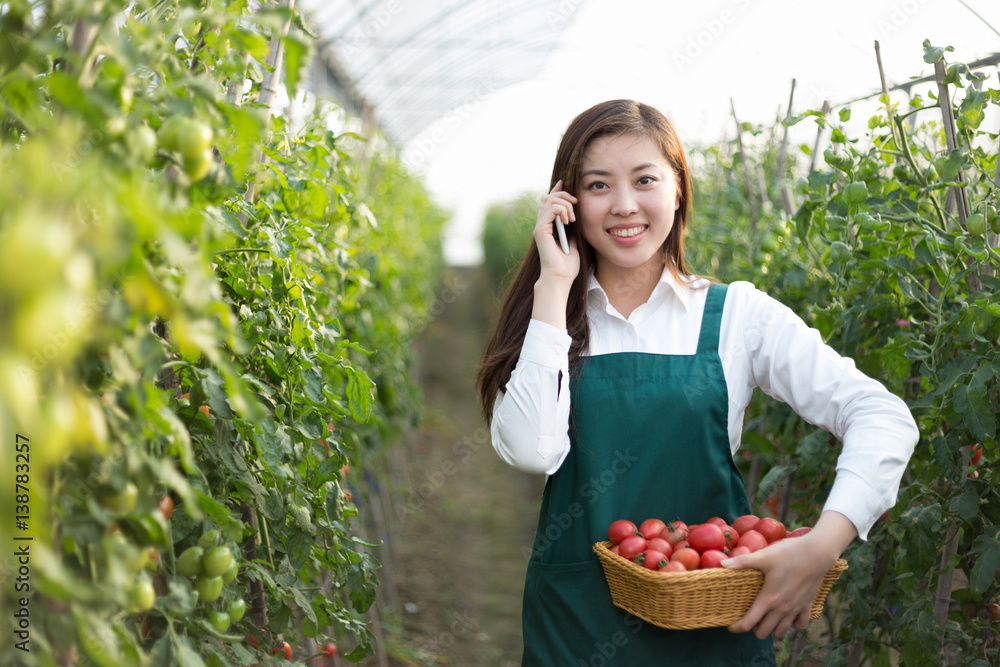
624	203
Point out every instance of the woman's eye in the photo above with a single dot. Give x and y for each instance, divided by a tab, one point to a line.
647	180
597	185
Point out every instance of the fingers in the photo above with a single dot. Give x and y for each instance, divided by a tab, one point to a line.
560	202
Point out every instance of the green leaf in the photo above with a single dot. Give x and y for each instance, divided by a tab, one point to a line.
230	526
771	479
300	544
932	54
987	561
845	114
966	504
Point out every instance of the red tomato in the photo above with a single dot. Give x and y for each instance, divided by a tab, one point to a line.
772	529
712	558
329	650
661	545
621	529
614	550
752	540
687	557
745	523
799	532
166	507
683	544
739	551
652	560
773	503
676	531
731	536
674	566
718	521
285	648
706	536
651	528
993	609
631	547
977	453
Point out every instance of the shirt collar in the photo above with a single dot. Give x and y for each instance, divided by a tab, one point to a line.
665	285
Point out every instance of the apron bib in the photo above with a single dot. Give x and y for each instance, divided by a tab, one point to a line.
649	440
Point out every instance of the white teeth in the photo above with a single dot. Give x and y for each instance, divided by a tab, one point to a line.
625	233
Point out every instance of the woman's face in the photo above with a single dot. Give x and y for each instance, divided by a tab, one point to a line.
628	195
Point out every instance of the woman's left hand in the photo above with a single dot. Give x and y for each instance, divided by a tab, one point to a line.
793	571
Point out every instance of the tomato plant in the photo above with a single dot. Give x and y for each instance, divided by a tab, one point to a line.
895	269
194	288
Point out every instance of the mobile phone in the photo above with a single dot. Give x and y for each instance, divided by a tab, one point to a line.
561	229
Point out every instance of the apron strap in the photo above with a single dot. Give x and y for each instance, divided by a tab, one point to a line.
708	337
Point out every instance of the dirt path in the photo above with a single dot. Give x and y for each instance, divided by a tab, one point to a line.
463	519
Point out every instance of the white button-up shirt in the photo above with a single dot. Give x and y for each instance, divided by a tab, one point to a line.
762	344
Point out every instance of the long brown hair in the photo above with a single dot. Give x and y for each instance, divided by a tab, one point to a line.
615	117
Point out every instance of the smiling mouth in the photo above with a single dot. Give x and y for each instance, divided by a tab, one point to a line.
626	232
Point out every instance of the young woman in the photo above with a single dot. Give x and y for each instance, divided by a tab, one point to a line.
624	377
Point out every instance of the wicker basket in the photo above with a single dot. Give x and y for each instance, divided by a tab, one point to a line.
688	600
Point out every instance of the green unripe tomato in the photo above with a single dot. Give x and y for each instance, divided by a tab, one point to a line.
169	133
219	619
209	588
193	139
769	244
142	143
855	193
121	502
191	30
976	224
141	595
189	562
216	561
198	167
993	218
840	252
901	172
931	174
236	610
208	539
230	574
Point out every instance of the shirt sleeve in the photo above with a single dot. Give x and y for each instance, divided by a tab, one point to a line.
530	426
790	361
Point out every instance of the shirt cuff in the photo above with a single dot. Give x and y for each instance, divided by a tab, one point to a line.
546	345
855	498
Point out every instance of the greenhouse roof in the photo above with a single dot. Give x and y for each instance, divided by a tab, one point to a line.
415	63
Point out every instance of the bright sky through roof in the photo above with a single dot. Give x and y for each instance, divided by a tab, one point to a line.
688	60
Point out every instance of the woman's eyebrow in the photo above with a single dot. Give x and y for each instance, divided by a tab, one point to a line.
601	172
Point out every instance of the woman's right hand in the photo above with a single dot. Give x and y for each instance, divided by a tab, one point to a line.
557	266
558	270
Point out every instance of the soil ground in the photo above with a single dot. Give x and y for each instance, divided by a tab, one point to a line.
463	520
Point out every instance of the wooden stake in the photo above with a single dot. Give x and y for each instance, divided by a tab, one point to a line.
786	192
951	138
819	136
269	89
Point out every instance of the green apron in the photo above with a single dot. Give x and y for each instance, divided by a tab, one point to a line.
649	439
